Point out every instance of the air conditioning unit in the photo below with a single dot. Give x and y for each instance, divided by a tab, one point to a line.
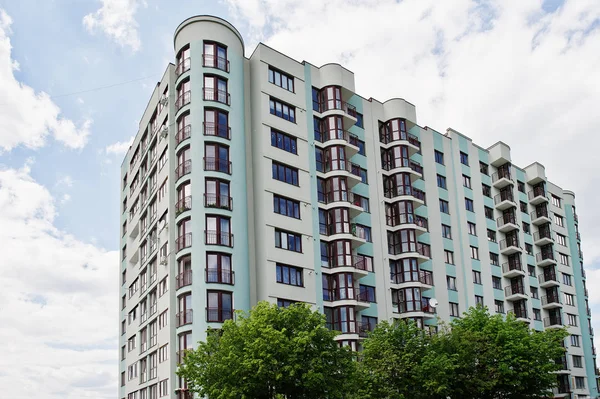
164	131
164	100
163	260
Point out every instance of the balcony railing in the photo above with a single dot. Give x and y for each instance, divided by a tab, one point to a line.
212	94
214	61
501	174
545	233
405	190
575	217
184	241
553	321
578	235
402	163
548	276
400	248
183	134
218	315
504	196
184	204
216	130
544	255
183	169
184	318
407	218
421	276
390	137
328	105
520	312
217	165
514	289
538	213
415	306
344	294
183	279
183	66
183	99
509	242
218	201
357	262
536	192
344	327
220	276
213	237
553	298
336	134
512	265
506	219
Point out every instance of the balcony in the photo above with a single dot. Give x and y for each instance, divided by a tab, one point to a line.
183	66
183	99
401	250
515	292
398	165
181	355
416	308
512	269
501	179
347	296
184	204
183	169
545	258
520	312
390	139
336	104
551	301
543	236
563	363
337	136
540	216
405	193
407	221
509	246
578	235
214	61
183	279
553	321
364	328
548	278
341	168
504	200
575	218
507	223
184	318
217	165
213	237
218	315
218	201
345	198
220	276
184	241
422	279
220	96
183	134
537	196
347	264
216	130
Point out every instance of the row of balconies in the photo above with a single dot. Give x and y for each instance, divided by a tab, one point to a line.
208	61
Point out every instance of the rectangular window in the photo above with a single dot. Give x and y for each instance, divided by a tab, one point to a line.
531	270
464	158
439	157
363	232
529	249
575	341
499	306
286	207
491	235
362	172
486	190
474	253
163	353
526	228
555	201
466	181
289	275
469	205
444	206
361	147
454	309
281	79
572	320
577	361
567	279
163	319
451	282
478	300
162	286
523	206
494	259
163	388
472	228
282	110
367	293
563	259
537	314
359	121
561	240
446	231
521	186
489	212
284	303
476	277
579	382
534	292
569	299
284	141
559	220
287	240
285	173
441	181
363	202
162	191
449	257
496	283
483	168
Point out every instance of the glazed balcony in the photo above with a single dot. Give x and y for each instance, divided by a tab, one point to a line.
421	278
184	99
415	195
405	250
389	139
219	276
184	241
213	237
347	264
343	230
506	223
505	200
416	308
540	216
217	165
183	134
509	246
397	165
183	66
543	236
214	61
537	196
183	205
341	168
513	268
501	179
545	258
183	279
328	137
218	201
347	199
336	104
185	317
183	169
218	315
548	278
213	94
349	296
216	130
407	220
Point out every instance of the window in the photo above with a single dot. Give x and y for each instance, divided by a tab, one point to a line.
215	56
444	206
449	257
162	191
282	110
579	382
489	212
123	302
364	232
499	306
464	158
367	293
555	201
575	340
451	282
162	287
153	331
361	147
286	207
123	327
131	343
439	157
534	292
483	168
529	249
466	181
486	190
474	253
520	186
218	231
446	231
472	228
359	121
496	283
122	378
163	388
559	220
469	205
526	228
284	141
577	361
219	306
284	303
215	89
531	270
523	206
567	279
441	181
281	79
162	160
563	259
491	235
361	201
572	320
284	173
478	300
494	259
454	309
362	172
163	353
537	314
561	240
476	277
569	299
290	275
132	371
163	319
287	240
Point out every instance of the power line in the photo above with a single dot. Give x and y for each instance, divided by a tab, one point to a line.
103	87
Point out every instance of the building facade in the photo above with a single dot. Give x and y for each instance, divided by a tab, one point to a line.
264	178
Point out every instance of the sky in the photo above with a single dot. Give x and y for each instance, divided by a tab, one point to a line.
76	75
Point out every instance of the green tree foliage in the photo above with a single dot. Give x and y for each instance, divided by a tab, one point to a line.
271	353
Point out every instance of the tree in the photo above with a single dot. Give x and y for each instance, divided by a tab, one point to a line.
501	357
271	353
402	361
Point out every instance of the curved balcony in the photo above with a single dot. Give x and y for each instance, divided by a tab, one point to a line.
405	193
515	292
505	200
349	329
413	308
509	246
217	165
183	205
392	139
212	237
507	223
341	198
337	137
184	99
340	168
183	318
216	276
183	134
422	279
342	231
512	269
537	196
220	96
218	201
347	296
184	241
183	66
216	130
398	165
347	264
214	61
545	258
219	315
183	279
337	107
502	179
420	251
183	169
540	216
407	221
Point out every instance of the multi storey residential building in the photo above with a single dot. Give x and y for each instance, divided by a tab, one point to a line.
264	178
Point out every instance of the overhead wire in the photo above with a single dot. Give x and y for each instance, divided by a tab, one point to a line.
103	87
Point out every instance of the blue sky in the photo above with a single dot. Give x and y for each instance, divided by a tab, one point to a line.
524	72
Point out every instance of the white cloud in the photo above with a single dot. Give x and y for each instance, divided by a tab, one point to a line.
59	325
27	117
116	18
65	182
119	148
